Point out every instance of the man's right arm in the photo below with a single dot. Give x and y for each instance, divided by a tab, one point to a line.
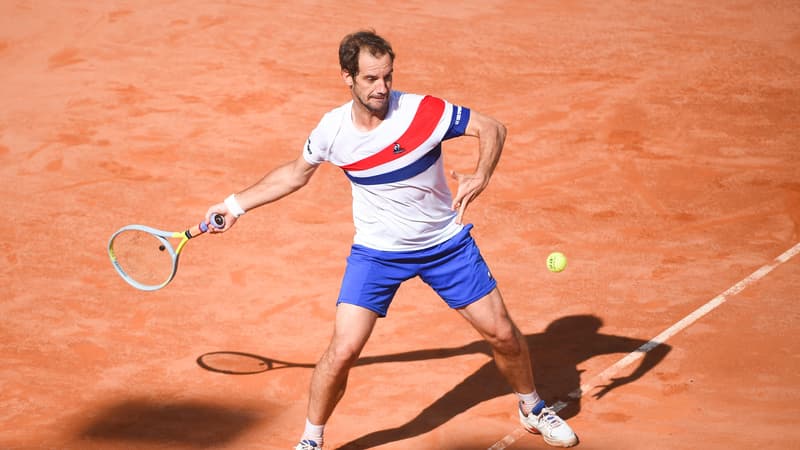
278	183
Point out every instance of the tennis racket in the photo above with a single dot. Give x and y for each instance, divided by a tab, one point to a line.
144	256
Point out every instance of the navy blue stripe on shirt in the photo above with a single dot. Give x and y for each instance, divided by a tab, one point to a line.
458	123
404	173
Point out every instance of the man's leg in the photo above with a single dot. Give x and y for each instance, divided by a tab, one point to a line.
490	318
352	328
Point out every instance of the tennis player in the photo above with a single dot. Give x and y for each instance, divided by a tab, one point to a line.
407	224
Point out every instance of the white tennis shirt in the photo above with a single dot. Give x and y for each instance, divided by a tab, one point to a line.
401	201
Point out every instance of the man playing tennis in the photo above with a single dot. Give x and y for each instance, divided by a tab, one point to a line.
388	143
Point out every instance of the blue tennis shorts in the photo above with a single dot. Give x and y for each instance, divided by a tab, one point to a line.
454	269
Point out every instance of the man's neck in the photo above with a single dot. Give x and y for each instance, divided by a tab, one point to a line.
364	119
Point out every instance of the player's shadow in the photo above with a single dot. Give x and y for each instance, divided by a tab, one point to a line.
556	354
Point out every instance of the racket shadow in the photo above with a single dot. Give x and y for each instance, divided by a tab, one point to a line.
242	363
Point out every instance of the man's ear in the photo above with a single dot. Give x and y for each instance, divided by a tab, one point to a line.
347	78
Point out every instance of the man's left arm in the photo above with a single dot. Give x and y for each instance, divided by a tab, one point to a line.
491	136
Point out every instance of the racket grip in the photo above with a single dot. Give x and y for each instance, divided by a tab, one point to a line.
218	221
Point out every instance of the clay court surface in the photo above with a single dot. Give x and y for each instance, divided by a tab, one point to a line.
655	143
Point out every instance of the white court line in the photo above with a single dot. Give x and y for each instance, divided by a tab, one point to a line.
605	375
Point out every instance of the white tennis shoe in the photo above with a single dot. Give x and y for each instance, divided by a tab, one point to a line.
553	429
308	444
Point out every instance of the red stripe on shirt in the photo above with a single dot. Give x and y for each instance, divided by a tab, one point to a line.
425	121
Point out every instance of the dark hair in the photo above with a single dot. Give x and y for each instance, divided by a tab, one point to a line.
352	44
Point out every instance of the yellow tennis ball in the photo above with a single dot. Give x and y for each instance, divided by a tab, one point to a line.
556	262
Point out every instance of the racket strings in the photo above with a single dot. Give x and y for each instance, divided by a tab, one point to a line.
143	257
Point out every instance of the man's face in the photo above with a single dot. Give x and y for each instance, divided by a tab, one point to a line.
373	83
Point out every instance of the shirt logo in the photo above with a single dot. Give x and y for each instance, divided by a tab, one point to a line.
397	149
308	146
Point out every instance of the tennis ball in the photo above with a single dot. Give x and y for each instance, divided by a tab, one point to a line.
556	262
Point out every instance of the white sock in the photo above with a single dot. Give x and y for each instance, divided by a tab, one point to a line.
528	401
313	432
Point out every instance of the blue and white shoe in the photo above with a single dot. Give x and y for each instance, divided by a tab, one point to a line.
543	420
308	444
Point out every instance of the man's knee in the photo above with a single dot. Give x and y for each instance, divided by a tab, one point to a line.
507	340
340	357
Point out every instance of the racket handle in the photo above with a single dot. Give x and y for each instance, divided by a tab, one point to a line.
217	221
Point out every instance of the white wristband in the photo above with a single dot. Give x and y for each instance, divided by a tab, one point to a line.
233	206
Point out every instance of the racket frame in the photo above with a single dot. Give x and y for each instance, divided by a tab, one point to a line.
163	237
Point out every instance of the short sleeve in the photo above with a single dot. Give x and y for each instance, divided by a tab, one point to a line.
458	122
315	150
